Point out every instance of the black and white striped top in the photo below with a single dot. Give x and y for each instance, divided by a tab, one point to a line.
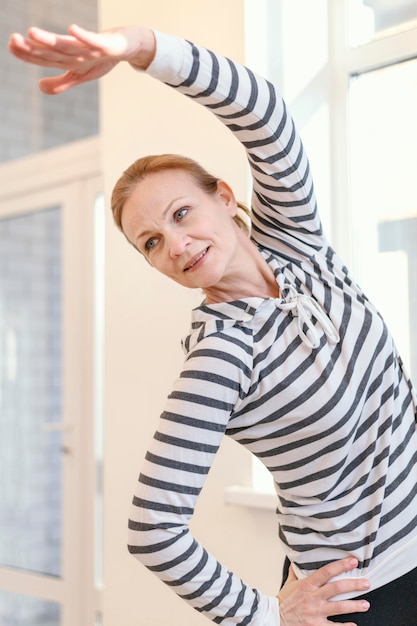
310	382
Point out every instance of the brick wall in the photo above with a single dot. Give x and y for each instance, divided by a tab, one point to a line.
29	120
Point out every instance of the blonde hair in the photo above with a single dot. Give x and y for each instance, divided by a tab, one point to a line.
162	162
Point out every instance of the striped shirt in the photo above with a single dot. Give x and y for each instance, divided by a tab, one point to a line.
310	382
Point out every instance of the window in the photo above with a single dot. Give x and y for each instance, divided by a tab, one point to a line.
384	200
370	19
351	85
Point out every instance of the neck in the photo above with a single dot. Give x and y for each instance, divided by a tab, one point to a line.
253	278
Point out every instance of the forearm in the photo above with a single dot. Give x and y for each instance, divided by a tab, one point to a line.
172	476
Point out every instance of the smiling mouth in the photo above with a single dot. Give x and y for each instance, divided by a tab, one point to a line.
196	260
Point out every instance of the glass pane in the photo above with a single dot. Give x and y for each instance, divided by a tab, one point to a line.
32	121
371	18
20	610
383	166
30	392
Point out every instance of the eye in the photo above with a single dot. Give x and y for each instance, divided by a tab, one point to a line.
150	244
178	215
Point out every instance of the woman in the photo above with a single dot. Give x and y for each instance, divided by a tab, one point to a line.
286	355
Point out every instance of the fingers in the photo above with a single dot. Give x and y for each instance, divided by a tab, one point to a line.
83	55
343	607
46	51
331	570
322	579
55	85
312	600
21	49
82	49
357	586
67	44
82	43
91	39
46	48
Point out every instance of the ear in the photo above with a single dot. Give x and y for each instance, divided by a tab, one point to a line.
225	193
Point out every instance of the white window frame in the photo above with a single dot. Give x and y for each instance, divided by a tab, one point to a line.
346	62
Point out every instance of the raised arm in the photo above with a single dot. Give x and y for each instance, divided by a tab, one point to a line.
283	202
283	193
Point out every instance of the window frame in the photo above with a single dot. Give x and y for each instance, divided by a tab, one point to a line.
347	62
344	62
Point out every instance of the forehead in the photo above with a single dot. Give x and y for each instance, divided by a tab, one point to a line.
152	196
162	185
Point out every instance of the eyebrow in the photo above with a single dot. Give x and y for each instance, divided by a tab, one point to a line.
145	233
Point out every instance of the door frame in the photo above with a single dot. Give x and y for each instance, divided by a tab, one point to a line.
70	177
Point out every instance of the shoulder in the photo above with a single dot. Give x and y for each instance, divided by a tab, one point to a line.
222	334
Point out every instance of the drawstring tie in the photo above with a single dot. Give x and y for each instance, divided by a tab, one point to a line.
305	308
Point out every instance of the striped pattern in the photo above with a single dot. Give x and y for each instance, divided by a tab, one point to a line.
335	424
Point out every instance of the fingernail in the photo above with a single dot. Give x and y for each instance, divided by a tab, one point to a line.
365	605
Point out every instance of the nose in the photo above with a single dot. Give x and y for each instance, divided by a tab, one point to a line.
177	242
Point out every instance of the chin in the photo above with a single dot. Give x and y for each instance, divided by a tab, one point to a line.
205	281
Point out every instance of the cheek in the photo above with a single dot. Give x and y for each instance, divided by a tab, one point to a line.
227	229
162	262
222	222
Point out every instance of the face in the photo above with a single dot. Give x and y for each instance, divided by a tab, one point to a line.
185	233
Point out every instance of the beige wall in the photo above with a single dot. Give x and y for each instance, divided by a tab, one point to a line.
146	316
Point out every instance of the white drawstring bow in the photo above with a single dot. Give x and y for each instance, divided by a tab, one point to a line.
305	308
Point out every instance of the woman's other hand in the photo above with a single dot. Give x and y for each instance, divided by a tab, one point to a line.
308	602
82	55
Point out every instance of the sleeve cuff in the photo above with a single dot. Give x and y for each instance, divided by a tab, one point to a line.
268	614
169	58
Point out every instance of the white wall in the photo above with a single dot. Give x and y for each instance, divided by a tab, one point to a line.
146	316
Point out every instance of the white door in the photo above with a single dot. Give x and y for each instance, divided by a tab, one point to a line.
50	309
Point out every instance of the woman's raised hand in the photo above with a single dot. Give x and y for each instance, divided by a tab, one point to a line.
83	55
309	602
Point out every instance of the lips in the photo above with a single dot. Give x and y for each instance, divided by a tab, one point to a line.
196	260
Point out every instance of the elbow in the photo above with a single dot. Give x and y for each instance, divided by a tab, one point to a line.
153	543
156	530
